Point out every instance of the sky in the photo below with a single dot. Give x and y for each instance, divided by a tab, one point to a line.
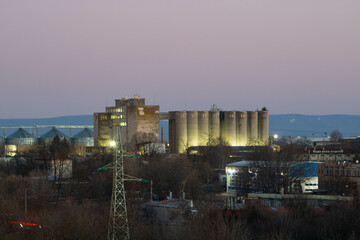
60	58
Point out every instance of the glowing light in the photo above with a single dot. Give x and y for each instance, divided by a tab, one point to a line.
230	170
276	136
112	144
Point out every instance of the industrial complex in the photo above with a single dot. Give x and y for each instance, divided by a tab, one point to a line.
186	128
133	118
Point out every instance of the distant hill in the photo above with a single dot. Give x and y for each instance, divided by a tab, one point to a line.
282	124
314	125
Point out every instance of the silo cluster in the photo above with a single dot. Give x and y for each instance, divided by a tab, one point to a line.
21	137
200	128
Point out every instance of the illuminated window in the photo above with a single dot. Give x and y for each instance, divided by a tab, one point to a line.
117	116
103	117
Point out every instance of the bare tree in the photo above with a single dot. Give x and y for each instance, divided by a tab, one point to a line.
336	135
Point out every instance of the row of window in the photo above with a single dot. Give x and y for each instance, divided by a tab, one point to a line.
117	116
114	110
330	155
337	171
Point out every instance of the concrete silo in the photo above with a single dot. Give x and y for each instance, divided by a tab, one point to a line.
203	127
241	128
252	127
181	131
214	125
229	127
192	128
263	126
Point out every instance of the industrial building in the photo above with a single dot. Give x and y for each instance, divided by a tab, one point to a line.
130	117
186	128
242	175
201	128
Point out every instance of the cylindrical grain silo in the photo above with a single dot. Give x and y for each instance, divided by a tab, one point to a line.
181	131
241	128
214	125
252	127
192	128
203	126
263	126
229	132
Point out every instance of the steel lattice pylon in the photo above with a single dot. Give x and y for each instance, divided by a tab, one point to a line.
118	222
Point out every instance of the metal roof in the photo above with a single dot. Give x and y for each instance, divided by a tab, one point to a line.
53	133
21	133
85	133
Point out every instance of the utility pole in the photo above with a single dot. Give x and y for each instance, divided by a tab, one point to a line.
118	221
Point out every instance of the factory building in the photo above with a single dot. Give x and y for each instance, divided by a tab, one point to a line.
130	117
199	128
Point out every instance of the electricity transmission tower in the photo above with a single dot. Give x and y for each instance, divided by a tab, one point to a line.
118	221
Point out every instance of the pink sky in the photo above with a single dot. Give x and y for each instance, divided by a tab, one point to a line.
75	57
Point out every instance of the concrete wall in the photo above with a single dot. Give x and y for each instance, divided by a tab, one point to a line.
102	129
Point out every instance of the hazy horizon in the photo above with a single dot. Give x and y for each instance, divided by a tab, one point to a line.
63	58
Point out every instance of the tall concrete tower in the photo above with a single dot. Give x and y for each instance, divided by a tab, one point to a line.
263	126
203	127
252	126
229	127
192	128
214	127
241	128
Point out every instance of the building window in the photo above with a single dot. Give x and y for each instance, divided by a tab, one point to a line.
354	172
326	171
331	171
358	172
348	172
337	171
342	171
